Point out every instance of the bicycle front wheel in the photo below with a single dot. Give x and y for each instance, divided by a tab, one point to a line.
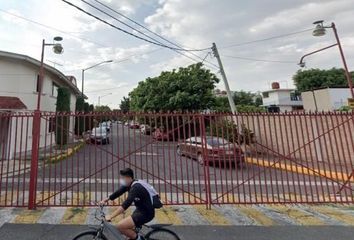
90	235
162	234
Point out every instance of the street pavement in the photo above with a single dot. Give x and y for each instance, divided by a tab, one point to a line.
67	232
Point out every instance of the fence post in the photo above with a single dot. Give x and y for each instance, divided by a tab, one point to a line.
36	128
206	163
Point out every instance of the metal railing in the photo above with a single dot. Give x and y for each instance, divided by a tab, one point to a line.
190	158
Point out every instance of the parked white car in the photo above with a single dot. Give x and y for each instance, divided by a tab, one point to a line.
99	136
106	125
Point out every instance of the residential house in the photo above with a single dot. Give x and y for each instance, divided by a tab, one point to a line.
281	99
19	78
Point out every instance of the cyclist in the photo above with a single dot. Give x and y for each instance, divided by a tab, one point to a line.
144	197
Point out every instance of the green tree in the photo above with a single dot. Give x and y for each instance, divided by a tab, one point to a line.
244	98
246	102
125	105
185	89
62	123
306	80
79	120
102	108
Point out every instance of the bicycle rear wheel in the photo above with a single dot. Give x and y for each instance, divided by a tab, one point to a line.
161	234
90	235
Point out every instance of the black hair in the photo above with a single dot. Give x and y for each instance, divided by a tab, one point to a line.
127	172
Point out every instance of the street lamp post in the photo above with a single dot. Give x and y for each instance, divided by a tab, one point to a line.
102	96
36	124
85	69
320	30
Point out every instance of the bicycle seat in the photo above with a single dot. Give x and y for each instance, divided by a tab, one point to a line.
157	226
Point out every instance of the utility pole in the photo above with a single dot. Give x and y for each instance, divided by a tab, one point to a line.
223	75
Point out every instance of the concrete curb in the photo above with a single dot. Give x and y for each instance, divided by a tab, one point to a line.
338	176
69	152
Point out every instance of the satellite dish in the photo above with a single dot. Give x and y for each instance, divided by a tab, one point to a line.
58	48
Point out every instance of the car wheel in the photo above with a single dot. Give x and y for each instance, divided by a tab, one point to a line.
200	159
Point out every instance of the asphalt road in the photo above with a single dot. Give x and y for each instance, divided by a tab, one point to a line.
66	232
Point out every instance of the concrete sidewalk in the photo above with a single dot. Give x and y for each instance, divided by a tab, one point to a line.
233	215
67	232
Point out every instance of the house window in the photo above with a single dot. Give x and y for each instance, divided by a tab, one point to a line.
265	94
54	89
51	127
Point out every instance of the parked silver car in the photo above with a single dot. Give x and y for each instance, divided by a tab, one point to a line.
99	135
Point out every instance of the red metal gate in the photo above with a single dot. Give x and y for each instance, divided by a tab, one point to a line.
190	158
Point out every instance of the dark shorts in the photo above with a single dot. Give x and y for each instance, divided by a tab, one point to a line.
140	218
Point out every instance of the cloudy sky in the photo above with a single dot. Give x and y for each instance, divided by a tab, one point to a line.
192	24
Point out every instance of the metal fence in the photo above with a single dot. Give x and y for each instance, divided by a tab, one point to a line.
73	159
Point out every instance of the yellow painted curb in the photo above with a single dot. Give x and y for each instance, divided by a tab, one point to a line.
336	214
75	216
29	216
212	216
300	217
167	215
256	215
69	152
339	176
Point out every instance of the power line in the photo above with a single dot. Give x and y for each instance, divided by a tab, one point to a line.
150	31
266	39
52	28
129	33
125	59
259	60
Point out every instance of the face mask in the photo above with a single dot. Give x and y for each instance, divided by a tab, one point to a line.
122	182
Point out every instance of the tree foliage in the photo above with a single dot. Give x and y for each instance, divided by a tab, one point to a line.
185	89
79	120
62	123
306	80
245	102
125	105
102	108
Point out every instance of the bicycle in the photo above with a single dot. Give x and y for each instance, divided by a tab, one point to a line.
156	231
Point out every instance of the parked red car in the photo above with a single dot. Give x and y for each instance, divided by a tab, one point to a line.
160	135
218	151
134	125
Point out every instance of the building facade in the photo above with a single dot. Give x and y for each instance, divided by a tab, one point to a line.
281	100
325	99
19	79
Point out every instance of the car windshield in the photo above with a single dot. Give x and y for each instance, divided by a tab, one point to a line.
215	141
98	131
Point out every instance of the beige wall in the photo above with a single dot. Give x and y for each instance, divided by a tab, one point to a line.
287	133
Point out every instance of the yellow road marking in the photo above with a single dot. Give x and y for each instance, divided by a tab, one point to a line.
211	215
301	217
167	214
300	169
256	215
29	216
333	213
75	216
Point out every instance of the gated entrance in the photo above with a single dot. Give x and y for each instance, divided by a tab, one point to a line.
190	158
